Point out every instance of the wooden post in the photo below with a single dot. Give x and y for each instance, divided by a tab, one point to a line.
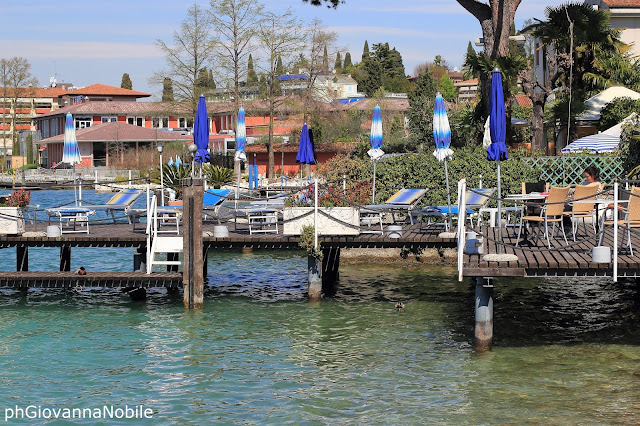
192	275
314	270
330	269
22	258
65	258
484	314
139	258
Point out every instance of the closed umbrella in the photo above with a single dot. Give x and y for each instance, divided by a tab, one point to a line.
442	138
241	141
178	161
306	149
170	162
497	151
375	140
201	133
70	151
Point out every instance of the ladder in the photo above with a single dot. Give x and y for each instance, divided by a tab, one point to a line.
159	244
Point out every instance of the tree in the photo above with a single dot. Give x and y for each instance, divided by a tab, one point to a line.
252	77
30	151
365	51
279	67
325	61
469	57
278	35
319	40
421	102
126	82
338	64
347	61
191	50
4	80
167	90
20	82
447	89
235	23
382	68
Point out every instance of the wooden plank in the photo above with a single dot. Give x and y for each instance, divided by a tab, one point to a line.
494	272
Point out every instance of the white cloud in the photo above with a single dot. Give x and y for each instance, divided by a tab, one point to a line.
60	50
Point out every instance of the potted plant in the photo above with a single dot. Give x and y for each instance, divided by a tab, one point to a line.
338	213
12	213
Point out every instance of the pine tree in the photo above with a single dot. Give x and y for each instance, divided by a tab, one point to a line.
346	64
167	90
325	60
421	101
263	90
212	83
252	77
279	68
365	51
126	82
30	157
338	65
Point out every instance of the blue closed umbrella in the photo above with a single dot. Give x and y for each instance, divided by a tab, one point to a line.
306	149
442	138
241	137
170	162
70	150
178	161
375	141
497	151
201	133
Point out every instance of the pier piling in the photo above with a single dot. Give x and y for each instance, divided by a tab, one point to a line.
192	275
314	269
330	269
484	314
139	258
22	257
65	258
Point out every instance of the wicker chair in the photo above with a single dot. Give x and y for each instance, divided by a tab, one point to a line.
583	209
552	212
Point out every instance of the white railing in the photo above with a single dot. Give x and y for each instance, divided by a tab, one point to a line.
462	217
151	230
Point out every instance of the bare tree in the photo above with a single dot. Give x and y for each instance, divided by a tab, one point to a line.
192	49
235	23
279	35
4	80
21	82
319	39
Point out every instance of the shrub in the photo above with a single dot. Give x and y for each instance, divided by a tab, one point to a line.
19	198
217	175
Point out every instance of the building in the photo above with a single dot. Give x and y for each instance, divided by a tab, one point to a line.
97	143
336	87
625	14
467	90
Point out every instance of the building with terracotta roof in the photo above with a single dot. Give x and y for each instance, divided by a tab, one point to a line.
98	142
625	14
467	89
522	100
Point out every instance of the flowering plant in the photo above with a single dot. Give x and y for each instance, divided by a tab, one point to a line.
19	198
356	194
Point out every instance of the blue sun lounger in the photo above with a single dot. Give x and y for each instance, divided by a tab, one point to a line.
402	201
122	201
474	200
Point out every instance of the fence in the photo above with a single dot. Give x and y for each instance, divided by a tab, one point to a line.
569	170
64	175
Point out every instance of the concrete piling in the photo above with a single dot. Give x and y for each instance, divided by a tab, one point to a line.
484	314
193	256
314	270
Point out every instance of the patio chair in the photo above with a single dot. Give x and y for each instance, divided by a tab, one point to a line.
583	208
211	202
122	201
631	220
403	201
552	212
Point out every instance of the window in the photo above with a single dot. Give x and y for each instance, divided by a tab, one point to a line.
83	122
184	122
109	119
160	122
136	121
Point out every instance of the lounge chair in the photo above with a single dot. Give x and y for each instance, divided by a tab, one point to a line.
211	202
122	201
69	217
476	199
403	201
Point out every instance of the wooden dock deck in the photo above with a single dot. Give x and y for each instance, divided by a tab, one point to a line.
24	279
560	260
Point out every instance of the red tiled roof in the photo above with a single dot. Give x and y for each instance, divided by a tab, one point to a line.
35	92
104	90
467	82
523	100
386	104
119	107
122	132
622	3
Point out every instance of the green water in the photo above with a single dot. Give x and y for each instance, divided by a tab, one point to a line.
565	351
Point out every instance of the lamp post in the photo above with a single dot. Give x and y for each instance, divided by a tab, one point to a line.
160	147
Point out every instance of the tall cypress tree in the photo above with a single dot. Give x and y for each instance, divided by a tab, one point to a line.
126	82
279	68
211	82
325	60
338	65
252	77
365	51
167	90
347	61
421	101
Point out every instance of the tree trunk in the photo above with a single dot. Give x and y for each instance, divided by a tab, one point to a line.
537	122
272	160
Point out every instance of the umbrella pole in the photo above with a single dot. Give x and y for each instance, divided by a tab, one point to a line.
499	211
446	175
238	185
373	197
75	195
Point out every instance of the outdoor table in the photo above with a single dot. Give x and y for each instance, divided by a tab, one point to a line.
523	198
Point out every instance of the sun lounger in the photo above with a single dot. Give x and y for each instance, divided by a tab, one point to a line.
402	201
475	200
122	201
69	217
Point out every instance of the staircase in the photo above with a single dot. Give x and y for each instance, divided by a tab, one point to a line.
157	244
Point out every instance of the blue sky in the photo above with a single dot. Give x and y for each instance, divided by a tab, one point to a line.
87	42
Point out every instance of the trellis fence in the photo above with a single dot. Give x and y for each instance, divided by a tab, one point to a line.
569	170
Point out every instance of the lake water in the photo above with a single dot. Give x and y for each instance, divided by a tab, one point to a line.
565	351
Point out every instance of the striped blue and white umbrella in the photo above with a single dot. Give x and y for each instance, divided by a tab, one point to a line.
442	138
70	151
594	143
241	137
375	140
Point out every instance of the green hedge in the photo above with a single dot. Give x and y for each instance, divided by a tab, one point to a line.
422	170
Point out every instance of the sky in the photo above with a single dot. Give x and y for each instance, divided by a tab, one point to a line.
87	42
